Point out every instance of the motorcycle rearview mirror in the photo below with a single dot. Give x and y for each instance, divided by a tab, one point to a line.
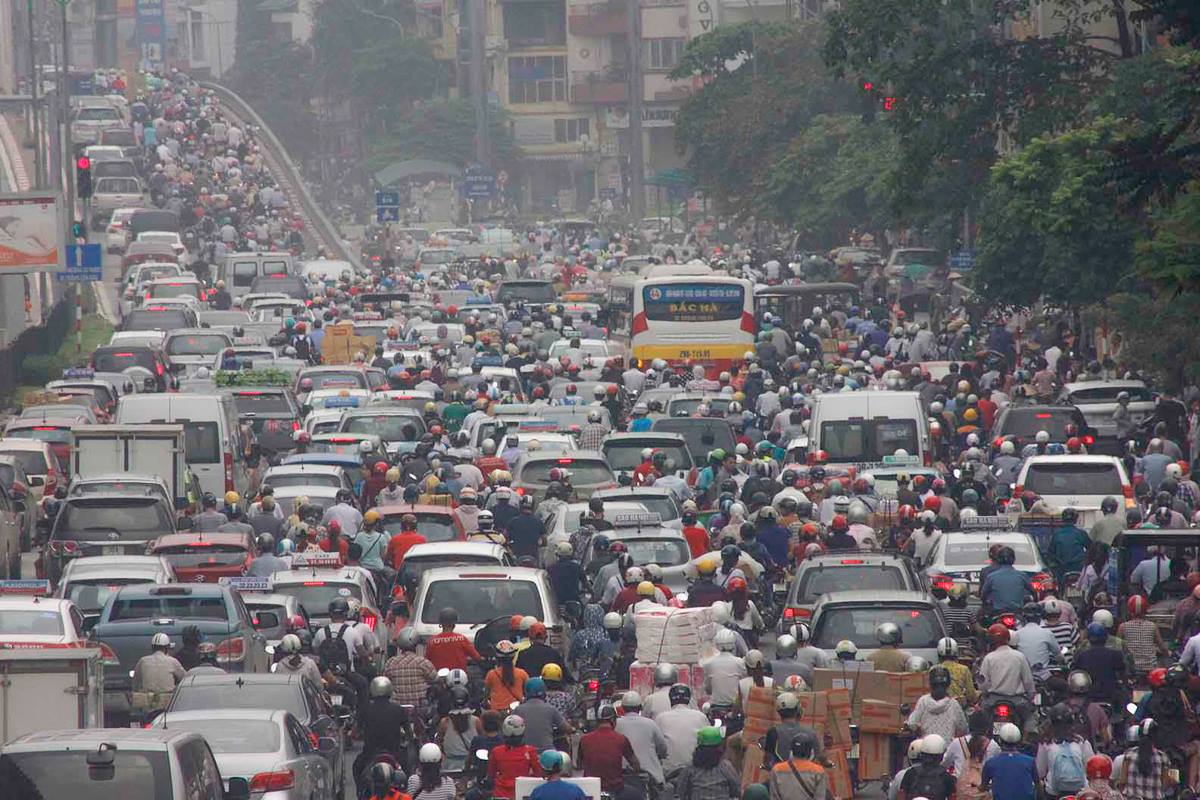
481	754
1132	708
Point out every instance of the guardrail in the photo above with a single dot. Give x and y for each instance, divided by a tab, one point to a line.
318	225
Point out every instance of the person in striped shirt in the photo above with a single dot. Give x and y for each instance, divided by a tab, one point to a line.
1064	631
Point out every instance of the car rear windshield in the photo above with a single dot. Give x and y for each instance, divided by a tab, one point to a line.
835	577
118	168
525	292
622	456
135	775
700	435
717	405
286	696
664	552
389	427
261	403
975	554
118	136
350	379
414	568
195	344
283	481
90	595
1025	422
919	626
152	320
202	554
32	461
202	442
1108	394
434	527
583	473
289	285
481	599
316	595
1073	479
118	359
30	622
100	519
52	434
181	606
233	735
868	440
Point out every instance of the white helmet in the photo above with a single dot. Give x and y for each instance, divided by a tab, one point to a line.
1042	437
933	745
802	632
1104	617
634	575
753	659
290	643
720	613
725	640
914	748
647	453
787	702
1007	447
1010	733
947	648
457	677
432	754
564	549
512	726
160	640
613	621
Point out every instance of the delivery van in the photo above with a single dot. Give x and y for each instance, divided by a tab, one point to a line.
868	428
240	270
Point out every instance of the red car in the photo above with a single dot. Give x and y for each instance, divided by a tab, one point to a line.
206	557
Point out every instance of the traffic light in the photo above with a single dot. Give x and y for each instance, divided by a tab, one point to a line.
83	177
868	101
78	231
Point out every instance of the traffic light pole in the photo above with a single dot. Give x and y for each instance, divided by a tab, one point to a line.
64	95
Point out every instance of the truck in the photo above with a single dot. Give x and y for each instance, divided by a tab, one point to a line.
52	689
132	450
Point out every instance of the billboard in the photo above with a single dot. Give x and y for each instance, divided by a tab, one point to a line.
151	32
32	227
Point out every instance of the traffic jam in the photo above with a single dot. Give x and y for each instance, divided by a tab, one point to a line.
565	515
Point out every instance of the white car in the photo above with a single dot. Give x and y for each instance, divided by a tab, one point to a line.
30	619
116	234
316	586
167	237
324	475
88	582
1078	482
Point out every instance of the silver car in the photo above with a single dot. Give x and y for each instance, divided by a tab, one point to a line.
856	615
271	749
89	582
1097	400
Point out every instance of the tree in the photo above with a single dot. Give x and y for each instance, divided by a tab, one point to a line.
444	130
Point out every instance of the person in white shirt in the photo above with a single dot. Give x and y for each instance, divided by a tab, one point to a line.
755	676
679	726
724	671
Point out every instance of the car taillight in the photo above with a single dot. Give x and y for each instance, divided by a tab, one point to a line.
789	613
1089	440
944	583
273	781
1127	492
1002	711
229	472
370	620
1018	489
64	547
108	656
158	369
295	426
1042	582
1008	621
231	650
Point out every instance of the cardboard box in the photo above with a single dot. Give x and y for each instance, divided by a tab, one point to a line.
814	711
913	685
752	769
761	714
837	725
839	773
874	756
880	716
340	344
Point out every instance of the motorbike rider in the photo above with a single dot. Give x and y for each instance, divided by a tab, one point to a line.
889	657
428	781
512	759
1068	546
383	783
554	764
383	726
679	725
410	673
342	643
543	722
266	563
1105	665
646	738
800	776
1004	674
207	663
1037	643
602	753
1005	589
928	779
295	662
457	729
705	591
938	712
1062	754
1091	714
723	671
1011	773
962	681
566	576
538	654
779	738
666	675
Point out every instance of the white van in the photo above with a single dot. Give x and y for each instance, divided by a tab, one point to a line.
864	428
214	445
1078	482
239	270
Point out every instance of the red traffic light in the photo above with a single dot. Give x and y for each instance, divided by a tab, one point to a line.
83	162
868	86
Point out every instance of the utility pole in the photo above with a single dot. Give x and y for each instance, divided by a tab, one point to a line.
35	79
477	15
64	94
637	158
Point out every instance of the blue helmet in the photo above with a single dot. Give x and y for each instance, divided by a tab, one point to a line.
1097	632
535	687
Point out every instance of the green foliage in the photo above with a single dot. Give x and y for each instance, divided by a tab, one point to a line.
1160	333
443	130
277	77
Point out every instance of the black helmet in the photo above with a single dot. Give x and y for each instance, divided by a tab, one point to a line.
680	694
1069	515
1177	675
1109	505
382	775
1006	556
939	676
1031	612
595	505
345	496
339	606
730	552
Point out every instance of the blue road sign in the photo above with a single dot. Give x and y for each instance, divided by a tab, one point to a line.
387	197
963	259
478	183
84	263
387	214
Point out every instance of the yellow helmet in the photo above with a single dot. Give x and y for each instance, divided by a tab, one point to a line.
739	397
706	566
430	407
645	589
970	415
371	517
552	672
232	498
393	475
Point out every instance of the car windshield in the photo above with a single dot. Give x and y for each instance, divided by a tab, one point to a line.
195	344
665	552
350	379
180	606
202	697
700	435
1027	422
202	554
232	735
1073	479
622	456
118	186
30	622
120	360
111	519
414	568
1108	394
975	555
868	440
718	405
389	427
919	625
434	527
43	433
135	775
583	473
930	258
153	320
834	577
481	599
316	595
525	292
91	594
261	403
282	481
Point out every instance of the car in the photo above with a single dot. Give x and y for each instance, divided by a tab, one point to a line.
854	616
271	749
434	555
161	316
272	413
344	444
1075	481
122	355
89	582
104	391
959	556
650	542
596	349
587	469
623	451
902	257
320	496
39	462
307	475
1021	424
290	285
54	431
334	399
351	465
117	764
1097	400
105	525
483	595
292	694
885	477
561	521
16	483
174	286
684	404
436	258
821	574
398	427
171	238
702	435
316	579
31	619
660	500
116	233
330	376
435	523
49	405
194	347
275	615
206	557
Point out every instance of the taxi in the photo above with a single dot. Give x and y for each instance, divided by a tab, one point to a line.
315	579
31	619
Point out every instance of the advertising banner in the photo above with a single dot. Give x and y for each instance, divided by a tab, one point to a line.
31	232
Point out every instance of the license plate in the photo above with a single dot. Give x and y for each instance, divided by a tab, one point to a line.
591	715
336	699
112	550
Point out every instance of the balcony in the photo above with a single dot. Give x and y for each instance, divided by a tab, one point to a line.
597	19
602	87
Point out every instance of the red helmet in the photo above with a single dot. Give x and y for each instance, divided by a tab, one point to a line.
839	524
539	392
810	529
334	526
1137	606
737	585
1029	497
843	348
907	513
617	547
861	486
1099	767
998	634
514	622
938	486
934	504
919	481
1074	445
301	327
436	430
612	388
380	468
1158	677
572	388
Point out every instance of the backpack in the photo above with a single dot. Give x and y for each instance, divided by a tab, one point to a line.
928	781
967	782
1066	771
332	651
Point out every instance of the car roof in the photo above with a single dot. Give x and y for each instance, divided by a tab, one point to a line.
91	738
625	436
575	455
203	714
876	596
303	469
456	548
23	444
838	559
153	590
416	508
313	489
268	598
1073	459
213	537
118	476
96	565
240	679
992	536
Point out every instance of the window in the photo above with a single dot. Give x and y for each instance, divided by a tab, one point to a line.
662	53
537	79
527	23
570	130
197	26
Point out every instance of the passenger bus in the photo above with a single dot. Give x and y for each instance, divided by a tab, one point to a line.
683	313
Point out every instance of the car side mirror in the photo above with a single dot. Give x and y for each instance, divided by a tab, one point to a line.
89	623
239	789
37	480
266	619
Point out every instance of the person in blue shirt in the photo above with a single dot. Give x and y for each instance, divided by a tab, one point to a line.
1011	774
1005	589
772	537
1068	546
555	788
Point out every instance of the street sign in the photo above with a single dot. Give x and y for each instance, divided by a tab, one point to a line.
387	197
478	183
963	259
85	262
387	214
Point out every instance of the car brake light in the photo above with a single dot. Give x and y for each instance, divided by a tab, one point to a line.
999	440
1042	415
789	613
314	583
1089	440
122	355
273	781
295	426
852	561
108	656
231	649
1008	620
566	461
1002	711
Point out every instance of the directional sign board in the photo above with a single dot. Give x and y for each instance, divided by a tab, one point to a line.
85	262
387	197
963	260
387	214
478	183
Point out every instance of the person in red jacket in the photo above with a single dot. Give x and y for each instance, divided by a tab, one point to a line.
513	759
334	542
450	650
695	534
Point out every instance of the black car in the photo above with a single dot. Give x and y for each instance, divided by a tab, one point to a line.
1021	424
105	525
271	413
120	357
159	318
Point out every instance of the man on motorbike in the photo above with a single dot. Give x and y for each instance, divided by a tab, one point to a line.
928	779
1105	666
1004	588
679	725
646	738
723	671
962	681
295	662
778	742
889	657
1004	674
938	712
1012	774
513	759
665	676
384	727
1037	643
